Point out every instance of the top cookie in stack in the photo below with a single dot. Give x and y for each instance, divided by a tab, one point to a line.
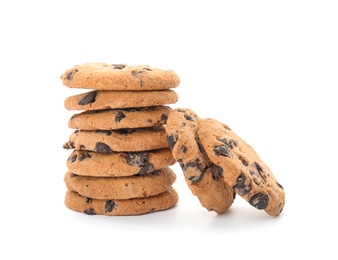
120	133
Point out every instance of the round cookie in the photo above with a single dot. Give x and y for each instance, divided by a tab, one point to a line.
242	168
103	76
123	140
112	119
87	163
105	99
138	186
135	206
203	178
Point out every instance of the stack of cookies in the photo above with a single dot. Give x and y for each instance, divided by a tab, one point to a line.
120	160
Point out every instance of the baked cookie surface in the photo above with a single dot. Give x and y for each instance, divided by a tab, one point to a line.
122	140
103	76
112	119
135	206
114	164
202	177
241	167
145	185
105	99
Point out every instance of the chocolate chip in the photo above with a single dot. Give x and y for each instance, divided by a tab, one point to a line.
137	159
84	156
149	121
146	169
258	167
73	158
195	179
124	131
71	74
164	117
104	132
102	148
243	185
171	140
82	147
119	66
243	161
90	211
222	151
119	116
89	98
219	170
188	117
88	200
110	205
258	179
233	143
280	185
184	149
259	200
68	145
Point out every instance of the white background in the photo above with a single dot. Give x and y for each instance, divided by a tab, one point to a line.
268	69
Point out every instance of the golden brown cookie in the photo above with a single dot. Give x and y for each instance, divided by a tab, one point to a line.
105	99
112	119
123	140
137	186
203	178
241	167
103	76
114	164
135	206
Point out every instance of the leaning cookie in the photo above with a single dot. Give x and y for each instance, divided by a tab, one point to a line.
137	186
105	99
241	167
123	140
112	119
103	76
135	206
202	177
115	164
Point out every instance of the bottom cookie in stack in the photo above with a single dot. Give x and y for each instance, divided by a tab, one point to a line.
117	196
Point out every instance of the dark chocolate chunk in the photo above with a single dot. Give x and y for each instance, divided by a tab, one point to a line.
104	132
119	66
73	158
119	116
197	165
233	143
84	156
257	175
189	118
88	200
184	149
90	211
222	151
68	145
164	117
89	98
124	131
243	185
102	148
110	205
259	200
219	170
171	140
280	185
243	161
71	74
258	167
146	169
136	159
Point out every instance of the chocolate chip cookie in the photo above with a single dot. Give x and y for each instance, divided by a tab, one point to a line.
204	179
114	164
241	167
122	140
135	206
103	76
112	119
145	185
